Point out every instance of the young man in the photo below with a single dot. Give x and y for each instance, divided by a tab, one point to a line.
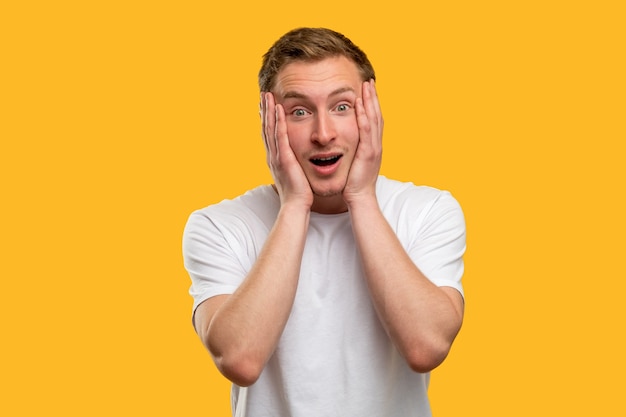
334	291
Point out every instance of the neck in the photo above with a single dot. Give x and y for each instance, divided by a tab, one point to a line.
329	204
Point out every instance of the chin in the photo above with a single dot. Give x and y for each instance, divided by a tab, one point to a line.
328	191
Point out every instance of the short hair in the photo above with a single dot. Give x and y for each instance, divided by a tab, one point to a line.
312	45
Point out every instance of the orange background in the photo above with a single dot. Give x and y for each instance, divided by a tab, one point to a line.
118	119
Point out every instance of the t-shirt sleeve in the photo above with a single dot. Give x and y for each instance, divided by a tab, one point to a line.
209	259
438	244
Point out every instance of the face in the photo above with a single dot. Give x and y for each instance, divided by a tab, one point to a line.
319	101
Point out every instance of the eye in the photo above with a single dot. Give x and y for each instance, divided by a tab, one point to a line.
342	108
299	112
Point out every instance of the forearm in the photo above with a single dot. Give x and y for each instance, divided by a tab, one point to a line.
245	329
421	319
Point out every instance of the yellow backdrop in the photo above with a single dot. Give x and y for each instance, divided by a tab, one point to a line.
119	118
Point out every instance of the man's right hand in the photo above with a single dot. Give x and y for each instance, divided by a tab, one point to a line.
290	180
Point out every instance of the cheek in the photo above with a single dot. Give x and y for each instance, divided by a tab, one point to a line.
349	129
296	132
298	138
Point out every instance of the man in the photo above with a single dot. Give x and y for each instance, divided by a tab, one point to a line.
335	291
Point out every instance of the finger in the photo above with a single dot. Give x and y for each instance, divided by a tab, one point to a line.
282	139
362	120
262	116
376	102
378	137
270	124
374	117
370	101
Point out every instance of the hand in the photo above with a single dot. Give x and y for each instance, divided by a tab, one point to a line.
367	160
290	181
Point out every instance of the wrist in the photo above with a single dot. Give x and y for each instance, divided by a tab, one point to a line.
294	210
362	202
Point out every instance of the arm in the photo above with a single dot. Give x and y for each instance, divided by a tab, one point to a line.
420	318
241	330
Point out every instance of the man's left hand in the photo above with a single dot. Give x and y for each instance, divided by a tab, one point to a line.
367	160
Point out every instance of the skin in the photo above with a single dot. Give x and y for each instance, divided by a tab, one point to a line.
325	110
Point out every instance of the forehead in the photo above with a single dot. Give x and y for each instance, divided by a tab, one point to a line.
317	77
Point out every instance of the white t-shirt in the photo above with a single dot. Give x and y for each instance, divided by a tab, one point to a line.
333	358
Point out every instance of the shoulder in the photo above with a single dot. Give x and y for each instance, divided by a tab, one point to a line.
394	194
420	209
258	206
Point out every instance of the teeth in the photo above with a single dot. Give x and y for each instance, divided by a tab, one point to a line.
326	160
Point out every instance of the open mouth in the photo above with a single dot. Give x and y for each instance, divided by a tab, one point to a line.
322	162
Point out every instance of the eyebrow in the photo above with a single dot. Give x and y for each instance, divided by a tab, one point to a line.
295	94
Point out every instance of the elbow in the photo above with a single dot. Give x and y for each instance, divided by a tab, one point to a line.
424	358
241	370
428	351
238	363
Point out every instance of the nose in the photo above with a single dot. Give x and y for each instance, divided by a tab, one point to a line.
324	129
